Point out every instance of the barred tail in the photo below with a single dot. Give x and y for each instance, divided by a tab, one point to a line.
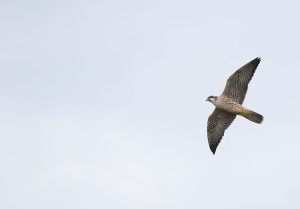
253	116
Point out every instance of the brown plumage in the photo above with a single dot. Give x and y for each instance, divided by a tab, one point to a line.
229	104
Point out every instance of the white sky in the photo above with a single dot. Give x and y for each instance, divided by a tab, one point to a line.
103	104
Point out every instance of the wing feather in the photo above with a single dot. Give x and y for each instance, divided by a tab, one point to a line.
237	84
217	123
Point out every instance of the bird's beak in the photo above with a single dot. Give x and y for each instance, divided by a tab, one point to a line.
206	99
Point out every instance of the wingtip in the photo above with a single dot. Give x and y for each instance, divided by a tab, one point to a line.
258	59
213	150
255	62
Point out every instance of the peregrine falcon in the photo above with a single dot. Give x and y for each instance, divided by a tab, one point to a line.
229	104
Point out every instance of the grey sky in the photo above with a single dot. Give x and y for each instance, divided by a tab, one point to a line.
103	104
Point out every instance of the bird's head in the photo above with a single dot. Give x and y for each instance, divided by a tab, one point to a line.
212	99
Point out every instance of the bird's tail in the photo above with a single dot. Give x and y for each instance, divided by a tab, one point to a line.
253	116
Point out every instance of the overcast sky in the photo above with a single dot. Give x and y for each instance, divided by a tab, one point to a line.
103	104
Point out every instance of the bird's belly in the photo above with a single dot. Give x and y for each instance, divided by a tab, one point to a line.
229	106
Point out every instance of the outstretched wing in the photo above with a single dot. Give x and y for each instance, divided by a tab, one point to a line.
217	123
237	84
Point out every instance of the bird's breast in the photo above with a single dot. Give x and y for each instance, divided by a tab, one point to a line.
229	105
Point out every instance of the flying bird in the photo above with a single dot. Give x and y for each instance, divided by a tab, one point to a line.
229	104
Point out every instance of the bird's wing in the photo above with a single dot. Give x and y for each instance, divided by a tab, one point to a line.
217	123
237	84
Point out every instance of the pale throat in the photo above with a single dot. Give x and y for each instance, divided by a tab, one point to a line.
213	100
